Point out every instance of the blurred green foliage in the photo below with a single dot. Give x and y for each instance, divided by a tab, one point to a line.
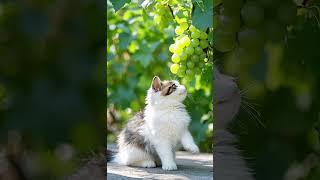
51	85
137	50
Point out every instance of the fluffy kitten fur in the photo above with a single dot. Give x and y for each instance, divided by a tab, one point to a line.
228	163
151	136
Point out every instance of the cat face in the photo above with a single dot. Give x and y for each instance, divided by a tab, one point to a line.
227	99
166	92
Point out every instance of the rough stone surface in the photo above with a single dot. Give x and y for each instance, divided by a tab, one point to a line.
190	166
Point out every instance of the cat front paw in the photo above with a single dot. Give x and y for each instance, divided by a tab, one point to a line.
148	164
169	166
193	149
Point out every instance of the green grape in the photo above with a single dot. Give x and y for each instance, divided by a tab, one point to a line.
204	44
203	56
203	35
187	41
183	56
194	42
175	58
224	41
189	50
287	13
181	73
189	73
192	28
205	59
181	20
252	14
198	70
172	48
232	7
180	37
183	66
184	25
174	68
195	35
190	64
179	30
194	58
229	23
185	13
198	50
202	65
250	38
178	49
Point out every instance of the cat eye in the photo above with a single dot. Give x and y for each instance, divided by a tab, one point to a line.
172	88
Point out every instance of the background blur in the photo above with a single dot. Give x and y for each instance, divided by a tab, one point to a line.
52	98
137	50
275	55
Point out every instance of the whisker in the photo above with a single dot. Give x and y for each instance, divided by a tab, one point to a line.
245	90
255	114
248	112
252	107
246	97
253	104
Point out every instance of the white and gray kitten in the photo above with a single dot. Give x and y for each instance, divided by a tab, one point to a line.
151	136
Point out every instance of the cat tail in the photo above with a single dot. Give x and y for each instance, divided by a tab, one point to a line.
110	155
113	157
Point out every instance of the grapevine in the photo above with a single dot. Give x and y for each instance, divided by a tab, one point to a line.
245	26
191	45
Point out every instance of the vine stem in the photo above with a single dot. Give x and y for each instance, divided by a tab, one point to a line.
171	11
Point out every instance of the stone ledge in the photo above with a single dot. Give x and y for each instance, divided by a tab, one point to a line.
190	166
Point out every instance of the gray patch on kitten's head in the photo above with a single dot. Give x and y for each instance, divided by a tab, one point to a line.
166	87
165	93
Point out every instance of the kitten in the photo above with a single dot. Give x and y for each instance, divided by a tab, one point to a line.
228	163
151	136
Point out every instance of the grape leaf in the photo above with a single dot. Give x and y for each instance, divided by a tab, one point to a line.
124	40
144	54
143	57
118	4
202	17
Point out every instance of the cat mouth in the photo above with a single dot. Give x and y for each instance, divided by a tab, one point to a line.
182	92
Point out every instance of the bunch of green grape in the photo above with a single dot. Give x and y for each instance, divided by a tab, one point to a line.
189	49
244	26
162	15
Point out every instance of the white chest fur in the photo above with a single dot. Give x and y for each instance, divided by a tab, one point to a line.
166	124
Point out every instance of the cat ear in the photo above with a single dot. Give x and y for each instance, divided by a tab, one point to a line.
156	83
